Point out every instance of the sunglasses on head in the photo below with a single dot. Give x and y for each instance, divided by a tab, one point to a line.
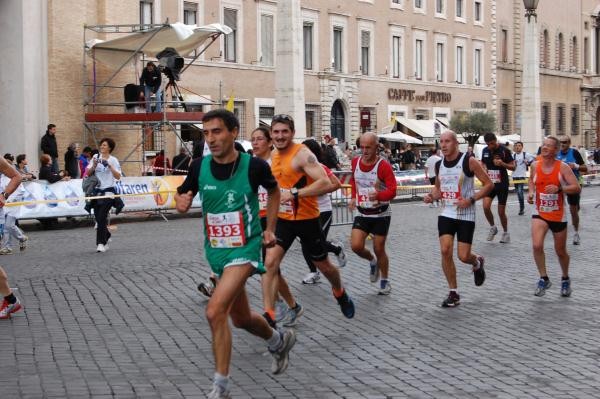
282	117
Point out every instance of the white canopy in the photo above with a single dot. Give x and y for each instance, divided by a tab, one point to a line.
398	136
422	127
183	38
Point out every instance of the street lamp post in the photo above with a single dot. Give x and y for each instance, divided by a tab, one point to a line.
531	126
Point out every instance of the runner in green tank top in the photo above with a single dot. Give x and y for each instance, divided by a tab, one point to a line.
228	182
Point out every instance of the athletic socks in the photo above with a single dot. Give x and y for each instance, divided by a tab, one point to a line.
275	341
545	278
382	283
337	292
373	262
222	381
565	278
11	298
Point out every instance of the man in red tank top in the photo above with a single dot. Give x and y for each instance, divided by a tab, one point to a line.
549	180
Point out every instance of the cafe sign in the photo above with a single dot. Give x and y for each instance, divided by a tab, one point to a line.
412	96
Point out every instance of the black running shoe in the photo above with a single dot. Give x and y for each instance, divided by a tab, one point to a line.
346	305
479	274
453	300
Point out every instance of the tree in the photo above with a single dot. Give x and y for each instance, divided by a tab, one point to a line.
473	125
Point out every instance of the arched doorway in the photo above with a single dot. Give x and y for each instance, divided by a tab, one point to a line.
338	122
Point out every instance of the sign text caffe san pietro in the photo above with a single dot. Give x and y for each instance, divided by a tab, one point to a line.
411	96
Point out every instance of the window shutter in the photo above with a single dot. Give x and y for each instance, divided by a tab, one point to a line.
365	38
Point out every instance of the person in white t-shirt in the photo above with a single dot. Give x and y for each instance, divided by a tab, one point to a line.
430	172
108	171
519	175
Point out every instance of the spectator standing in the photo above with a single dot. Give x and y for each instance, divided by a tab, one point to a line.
181	162
430	172
330	158
72	161
23	168
151	81
49	147
84	160
408	159
160	163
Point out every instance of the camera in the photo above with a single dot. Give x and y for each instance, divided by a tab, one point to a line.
105	163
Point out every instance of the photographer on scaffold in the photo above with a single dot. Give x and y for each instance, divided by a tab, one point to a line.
151	80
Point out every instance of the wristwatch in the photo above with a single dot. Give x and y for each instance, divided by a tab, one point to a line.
4	194
472	199
294	192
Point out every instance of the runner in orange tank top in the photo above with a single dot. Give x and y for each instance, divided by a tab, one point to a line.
301	179
549	181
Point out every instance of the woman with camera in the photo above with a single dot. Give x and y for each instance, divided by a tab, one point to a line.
108	171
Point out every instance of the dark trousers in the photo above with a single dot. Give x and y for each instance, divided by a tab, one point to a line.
520	195
325	219
101	209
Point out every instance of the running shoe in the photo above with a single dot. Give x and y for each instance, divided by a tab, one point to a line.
386	289
281	355
346	305
542	286
565	288
23	243
341	256
521	212
269	320
374	274
6	251
101	248
280	310
7	308
452	301
292	315
479	274
492	233
219	393
505	238
576	239
206	289
311	278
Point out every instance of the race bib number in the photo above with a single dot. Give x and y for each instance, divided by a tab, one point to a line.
262	199
450	188
286	207
225	230
363	198
548	202
494	176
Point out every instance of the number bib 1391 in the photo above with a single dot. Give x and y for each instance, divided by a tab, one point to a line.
494	175
225	230
450	188
548	202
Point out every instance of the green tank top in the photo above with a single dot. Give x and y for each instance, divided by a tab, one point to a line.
232	231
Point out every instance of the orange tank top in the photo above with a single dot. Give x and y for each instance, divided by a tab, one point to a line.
549	206
287	177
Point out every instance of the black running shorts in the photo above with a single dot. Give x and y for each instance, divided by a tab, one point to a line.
555	227
500	190
308	231
573	199
463	229
378	226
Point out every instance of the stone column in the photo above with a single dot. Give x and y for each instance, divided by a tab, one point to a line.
531	127
289	69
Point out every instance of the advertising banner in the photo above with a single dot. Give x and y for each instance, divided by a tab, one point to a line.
38	199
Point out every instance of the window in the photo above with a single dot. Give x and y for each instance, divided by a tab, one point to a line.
574	54
505	116
459	64
396	1
439	65
504	39
418	3
230	19
561	52
419	59
574	119
307	33
477	11
146	13
337	48
397	4
266	39
190	13
560	119
459	9
439	6
545	53
546	119
396	43
365	42
477	67
586	54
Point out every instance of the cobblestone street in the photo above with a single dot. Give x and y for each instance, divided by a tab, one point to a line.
129	323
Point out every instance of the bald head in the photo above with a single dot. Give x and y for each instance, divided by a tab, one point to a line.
449	144
449	134
369	145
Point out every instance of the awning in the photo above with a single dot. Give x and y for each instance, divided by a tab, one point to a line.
401	137
422	127
265	122
444	121
183	38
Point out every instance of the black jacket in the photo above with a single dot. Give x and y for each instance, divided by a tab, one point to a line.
151	79
72	164
330	158
49	145
46	173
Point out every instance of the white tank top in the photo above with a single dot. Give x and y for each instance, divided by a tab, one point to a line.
366	182
324	201
454	184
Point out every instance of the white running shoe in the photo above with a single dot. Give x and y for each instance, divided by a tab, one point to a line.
576	239
492	233
341	257
101	248
505	238
281	309
311	278
6	251
374	271
386	289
